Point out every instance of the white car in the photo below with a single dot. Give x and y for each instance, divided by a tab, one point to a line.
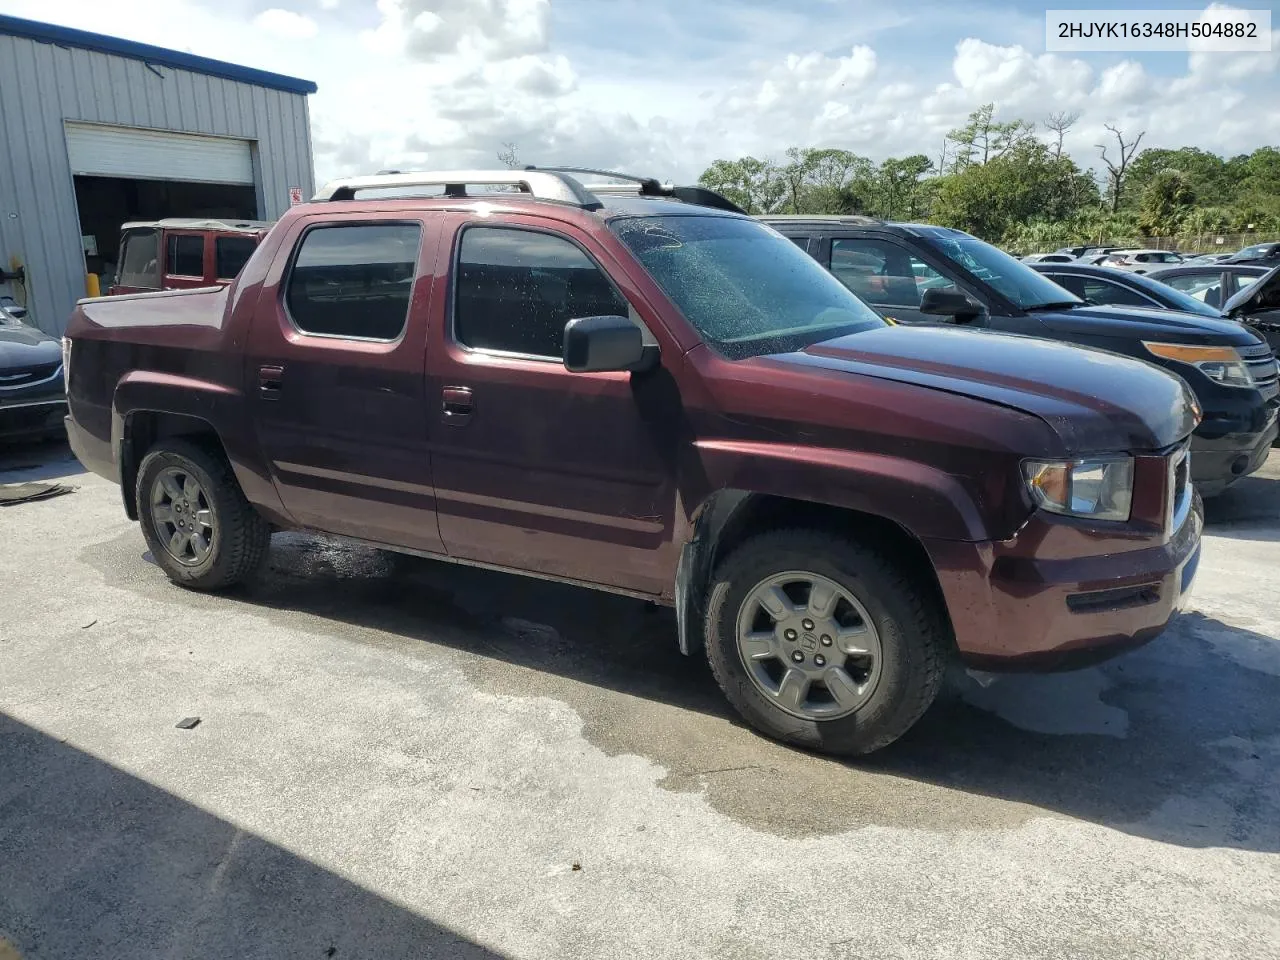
1140	261
1048	258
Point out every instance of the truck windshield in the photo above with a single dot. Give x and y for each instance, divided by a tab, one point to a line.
1012	278
748	290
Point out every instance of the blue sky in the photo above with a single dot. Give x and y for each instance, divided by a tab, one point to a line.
667	86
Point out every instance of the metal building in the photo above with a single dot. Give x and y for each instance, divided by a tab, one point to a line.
96	131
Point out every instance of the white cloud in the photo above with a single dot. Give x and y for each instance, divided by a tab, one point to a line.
286	24
446	82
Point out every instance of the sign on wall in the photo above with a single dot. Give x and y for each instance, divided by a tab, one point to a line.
295	196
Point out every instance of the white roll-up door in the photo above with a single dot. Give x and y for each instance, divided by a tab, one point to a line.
103	151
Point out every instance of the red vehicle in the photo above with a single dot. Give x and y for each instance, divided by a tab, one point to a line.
179	254
637	389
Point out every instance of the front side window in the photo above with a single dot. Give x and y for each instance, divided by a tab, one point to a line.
1113	294
1205	287
516	289
230	254
354	281
883	273
1014	280
140	260
185	256
746	289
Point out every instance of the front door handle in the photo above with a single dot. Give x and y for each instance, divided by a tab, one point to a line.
270	382
456	402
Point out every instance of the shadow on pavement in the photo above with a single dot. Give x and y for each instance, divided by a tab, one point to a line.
1178	741
45	460
98	863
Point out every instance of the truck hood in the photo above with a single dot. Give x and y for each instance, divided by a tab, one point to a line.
1096	402
23	346
1261	295
1145	323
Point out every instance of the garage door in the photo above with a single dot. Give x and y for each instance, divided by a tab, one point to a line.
102	151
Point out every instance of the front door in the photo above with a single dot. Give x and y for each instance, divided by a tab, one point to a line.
335	372
566	474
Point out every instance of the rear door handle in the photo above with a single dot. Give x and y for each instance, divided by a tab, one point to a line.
456	403
270	382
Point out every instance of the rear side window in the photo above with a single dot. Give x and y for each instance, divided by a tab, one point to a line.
186	255
230	255
516	289
354	281
140	260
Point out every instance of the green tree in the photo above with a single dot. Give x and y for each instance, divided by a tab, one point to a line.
983	139
897	182
755	185
1165	202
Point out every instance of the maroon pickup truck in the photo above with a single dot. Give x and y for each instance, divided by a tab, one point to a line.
632	387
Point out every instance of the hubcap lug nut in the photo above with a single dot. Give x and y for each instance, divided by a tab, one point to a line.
808	624
826	640
820	660
798	657
789	634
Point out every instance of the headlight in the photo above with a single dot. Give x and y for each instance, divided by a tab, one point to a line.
1220	364
1100	489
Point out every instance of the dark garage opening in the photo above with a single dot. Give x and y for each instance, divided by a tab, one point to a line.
107	202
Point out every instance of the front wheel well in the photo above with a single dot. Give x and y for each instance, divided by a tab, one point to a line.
143	429
731	518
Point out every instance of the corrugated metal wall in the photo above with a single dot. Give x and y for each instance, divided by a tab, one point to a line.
42	85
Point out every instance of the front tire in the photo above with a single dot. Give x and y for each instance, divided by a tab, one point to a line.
823	643
201	530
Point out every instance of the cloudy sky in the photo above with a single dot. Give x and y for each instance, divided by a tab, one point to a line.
666	86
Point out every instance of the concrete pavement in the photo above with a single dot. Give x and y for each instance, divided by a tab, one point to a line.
398	758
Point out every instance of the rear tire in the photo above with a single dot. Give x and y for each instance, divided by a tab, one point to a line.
201	530
848	683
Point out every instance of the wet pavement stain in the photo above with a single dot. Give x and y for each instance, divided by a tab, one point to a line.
614	661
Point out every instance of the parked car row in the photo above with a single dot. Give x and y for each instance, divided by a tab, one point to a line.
915	273
638	388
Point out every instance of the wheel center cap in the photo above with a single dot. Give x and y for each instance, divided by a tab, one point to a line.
808	642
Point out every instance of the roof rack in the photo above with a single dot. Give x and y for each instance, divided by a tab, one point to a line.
648	187
541	184
824	218
557	184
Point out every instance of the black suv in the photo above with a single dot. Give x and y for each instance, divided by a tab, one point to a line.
919	273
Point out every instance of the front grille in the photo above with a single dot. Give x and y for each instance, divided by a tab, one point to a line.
1261	363
25	376
1179	486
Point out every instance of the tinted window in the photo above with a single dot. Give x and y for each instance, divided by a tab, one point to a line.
230	255
140	259
883	273
354	281
1106	292
801	242
186	256
742	285
516	289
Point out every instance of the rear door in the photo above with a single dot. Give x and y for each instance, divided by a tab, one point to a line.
335	372
565	474
186	256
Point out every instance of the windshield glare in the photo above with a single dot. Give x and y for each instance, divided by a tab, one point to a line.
1017	282
747	290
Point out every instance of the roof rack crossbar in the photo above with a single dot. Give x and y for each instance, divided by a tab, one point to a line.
651	187
541	184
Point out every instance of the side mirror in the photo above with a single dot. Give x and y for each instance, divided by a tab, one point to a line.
949	302
602	344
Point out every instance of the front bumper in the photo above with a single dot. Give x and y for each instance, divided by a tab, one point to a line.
1218	462
1022	605
20	419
